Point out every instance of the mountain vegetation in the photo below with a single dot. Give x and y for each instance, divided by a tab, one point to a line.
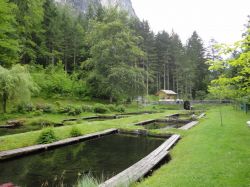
104	53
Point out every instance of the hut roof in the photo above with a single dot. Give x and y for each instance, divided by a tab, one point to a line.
169	92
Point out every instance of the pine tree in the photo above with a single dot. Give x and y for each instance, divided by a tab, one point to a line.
9	44
29	19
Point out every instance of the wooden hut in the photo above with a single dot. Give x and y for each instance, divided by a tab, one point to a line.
167	95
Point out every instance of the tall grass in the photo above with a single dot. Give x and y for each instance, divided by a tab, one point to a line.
87	181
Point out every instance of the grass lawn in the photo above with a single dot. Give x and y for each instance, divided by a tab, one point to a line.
30	138
209	154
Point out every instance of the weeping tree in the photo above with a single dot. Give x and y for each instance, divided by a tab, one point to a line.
16	85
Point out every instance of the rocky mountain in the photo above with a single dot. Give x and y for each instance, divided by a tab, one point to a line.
82	5
122	4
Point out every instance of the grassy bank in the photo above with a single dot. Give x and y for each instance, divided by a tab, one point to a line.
209	154
30	138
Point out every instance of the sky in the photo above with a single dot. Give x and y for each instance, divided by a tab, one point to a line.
222	20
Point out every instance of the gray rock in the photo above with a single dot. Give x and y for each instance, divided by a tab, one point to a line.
82	5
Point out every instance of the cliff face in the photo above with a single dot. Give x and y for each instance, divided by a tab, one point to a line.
122	4
82	5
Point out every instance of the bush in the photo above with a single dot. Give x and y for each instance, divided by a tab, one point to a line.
112	108
120	108
75	132
75	111
100	108
46	108
66	109
47	136
87	108
58	104
42	122
23	108
38	113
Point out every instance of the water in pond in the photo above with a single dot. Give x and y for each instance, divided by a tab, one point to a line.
25	128
104	119
161	125
21	129
105	157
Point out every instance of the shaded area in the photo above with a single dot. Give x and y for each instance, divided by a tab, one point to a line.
166	124
102	157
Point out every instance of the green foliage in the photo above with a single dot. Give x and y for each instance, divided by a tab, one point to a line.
87	181
120	109
47	136
66	109
100	108
15	84
9	45
74	111
114	108
115	54
54	81
87	108
46	108
234	72
75	132
42	123
23	108
29	16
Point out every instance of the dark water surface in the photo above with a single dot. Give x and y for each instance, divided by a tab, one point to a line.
21	129
103	158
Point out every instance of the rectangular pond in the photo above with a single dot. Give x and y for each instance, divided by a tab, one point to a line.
103	158
27	128
166	124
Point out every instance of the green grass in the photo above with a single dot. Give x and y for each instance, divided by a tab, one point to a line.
30	138
209	154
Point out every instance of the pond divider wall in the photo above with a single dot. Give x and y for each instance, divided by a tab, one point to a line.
192	123
144	133
142	167
141	123
4	155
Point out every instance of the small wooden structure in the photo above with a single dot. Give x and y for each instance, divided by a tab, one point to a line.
167	95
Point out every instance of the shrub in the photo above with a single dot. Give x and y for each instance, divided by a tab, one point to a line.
65	109
23	108
87	108
47	136
58	104
46	108
75	111
75	132
43	123
120	108
100	108
38	113
112	108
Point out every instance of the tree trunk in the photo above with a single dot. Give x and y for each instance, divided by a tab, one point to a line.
157	83
74	61
168	74
174	84
177	83
4	102
147	81
111	99
164	80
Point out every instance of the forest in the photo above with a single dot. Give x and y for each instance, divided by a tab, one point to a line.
106	54
79	104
